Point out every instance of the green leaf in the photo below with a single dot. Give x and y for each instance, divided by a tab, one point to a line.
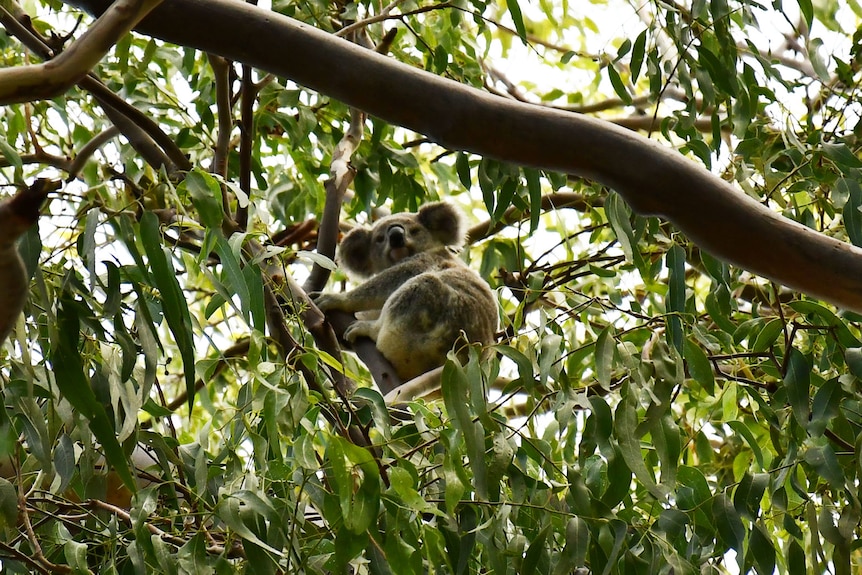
619	86
852	211
853	357
534	187
675	300
70	379
173	302
822	458
767	336
11	155
462	166
796	562
628	438
825	406
827	316
728	522
233	276
740	428
534	551
807	9
206	196
698	365
749	494
761	549
797	384
237	508
517	18
574	553
356	483
605	346
402	484
8	504
454	386
637	57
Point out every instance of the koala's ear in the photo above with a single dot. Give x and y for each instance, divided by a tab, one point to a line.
354	253
443	221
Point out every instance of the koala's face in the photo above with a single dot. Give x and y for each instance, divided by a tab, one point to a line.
365	251
397	237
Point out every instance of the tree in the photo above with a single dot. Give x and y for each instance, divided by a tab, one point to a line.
661	398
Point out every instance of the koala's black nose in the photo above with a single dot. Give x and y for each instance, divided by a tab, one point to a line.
396	236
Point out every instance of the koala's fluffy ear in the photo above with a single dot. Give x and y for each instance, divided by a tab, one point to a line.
443	221
354	253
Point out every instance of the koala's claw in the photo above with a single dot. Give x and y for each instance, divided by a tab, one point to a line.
361	328
326	301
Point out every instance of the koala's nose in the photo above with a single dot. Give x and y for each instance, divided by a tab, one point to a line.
395	235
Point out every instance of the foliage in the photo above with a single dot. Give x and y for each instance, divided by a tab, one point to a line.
649	409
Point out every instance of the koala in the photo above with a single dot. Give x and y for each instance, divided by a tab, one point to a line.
17	214
425	295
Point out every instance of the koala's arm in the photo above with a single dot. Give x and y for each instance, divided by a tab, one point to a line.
373	293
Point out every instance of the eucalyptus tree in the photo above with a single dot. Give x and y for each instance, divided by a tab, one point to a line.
665	198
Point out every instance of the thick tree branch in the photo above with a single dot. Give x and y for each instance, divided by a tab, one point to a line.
653	179
18	24
52	78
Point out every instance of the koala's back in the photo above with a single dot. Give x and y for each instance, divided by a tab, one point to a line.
423	319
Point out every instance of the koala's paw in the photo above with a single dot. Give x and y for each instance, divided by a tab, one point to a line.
327	301
361	328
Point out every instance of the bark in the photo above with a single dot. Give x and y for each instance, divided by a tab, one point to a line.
653	179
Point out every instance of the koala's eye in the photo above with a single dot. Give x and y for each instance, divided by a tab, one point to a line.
413	230
378	239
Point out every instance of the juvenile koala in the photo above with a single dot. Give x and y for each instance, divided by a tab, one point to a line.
425	294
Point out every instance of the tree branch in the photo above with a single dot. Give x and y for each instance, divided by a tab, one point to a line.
653	179
52	78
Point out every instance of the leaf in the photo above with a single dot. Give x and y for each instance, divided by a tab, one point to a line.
534	551
206	196
698	365
233	276
853	357
852	211
604	358
817	61
619	528
761	549
235	506
8	504
454	385
625	428
462	166
173	303
749	493
767	336
796	562
740	428
797	384
70	379
728	522
517	18
619	86
675	300
574	553
824	406
637	57
827	316
822	458
534	188
11	155
807	9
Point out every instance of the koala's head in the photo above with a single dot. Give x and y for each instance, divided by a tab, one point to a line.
367	251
